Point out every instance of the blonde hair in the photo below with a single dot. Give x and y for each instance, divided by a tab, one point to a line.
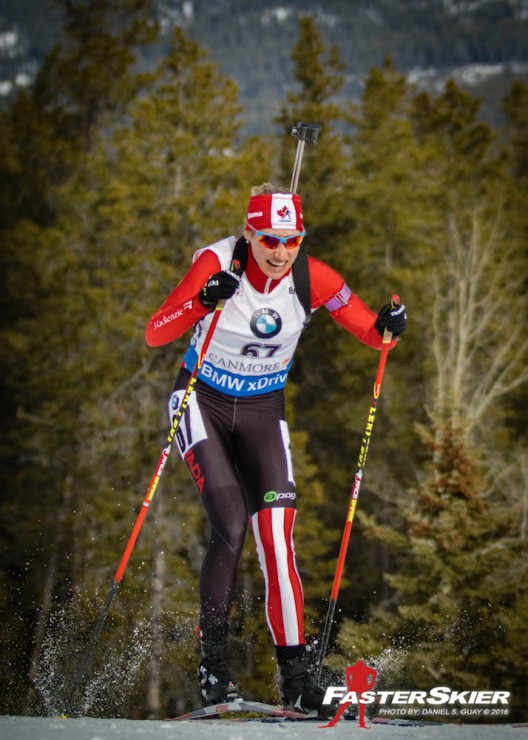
267	188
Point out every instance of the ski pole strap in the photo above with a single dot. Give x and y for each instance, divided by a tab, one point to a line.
301	278
240	256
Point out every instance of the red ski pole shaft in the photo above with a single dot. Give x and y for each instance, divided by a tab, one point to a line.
354	495
151	490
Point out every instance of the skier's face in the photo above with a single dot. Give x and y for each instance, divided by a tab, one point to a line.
274	263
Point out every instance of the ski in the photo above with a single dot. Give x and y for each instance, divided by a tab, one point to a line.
281	713
257	707
403	722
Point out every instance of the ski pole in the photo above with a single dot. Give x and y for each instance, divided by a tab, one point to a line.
151	490
354	495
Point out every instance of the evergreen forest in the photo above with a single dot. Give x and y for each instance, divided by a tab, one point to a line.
112	175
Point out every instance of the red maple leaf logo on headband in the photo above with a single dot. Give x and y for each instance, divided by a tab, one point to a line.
284	213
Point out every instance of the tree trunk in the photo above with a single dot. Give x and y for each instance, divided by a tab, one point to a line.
154	700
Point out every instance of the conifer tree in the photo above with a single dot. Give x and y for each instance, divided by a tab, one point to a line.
319	75
49	128
365	235
88	74
457	581
88	404
172	187
453	614
478	282
515	106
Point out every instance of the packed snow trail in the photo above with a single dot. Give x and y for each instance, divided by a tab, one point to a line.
87	728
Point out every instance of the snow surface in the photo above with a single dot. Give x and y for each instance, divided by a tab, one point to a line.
87	728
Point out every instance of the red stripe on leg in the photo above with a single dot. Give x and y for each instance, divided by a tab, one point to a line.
263	532
294	577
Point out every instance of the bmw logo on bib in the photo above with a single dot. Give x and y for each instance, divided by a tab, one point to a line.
266	323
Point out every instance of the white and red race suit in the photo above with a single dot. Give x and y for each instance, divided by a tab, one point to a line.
234	437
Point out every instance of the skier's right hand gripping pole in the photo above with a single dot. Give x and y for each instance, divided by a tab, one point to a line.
382	325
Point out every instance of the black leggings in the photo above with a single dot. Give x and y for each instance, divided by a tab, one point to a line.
238	453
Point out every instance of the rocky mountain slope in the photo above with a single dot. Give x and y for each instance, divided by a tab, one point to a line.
482	43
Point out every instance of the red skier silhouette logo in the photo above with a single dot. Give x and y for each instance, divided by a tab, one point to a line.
359	678
284	213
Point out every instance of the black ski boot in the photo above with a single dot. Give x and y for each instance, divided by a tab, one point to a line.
217	684
297	686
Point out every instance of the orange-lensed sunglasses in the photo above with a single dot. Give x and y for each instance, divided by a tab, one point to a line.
270	241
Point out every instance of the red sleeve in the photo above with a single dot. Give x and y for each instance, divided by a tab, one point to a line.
182	308
328	288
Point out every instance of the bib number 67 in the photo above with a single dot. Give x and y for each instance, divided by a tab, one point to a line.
256	349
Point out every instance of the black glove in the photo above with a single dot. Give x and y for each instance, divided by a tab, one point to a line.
220	285
392	318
